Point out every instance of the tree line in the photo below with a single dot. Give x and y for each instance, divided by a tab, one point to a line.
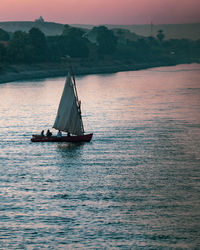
34	47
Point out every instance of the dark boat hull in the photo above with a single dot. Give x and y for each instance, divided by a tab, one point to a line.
74	138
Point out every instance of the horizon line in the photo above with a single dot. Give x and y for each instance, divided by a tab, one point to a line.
102	24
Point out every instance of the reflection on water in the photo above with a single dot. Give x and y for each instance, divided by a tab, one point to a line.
71	150
135	186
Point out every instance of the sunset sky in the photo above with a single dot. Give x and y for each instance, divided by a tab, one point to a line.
102	11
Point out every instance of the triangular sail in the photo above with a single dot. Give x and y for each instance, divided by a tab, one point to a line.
68	117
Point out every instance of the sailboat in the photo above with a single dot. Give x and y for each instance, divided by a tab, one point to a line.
68	118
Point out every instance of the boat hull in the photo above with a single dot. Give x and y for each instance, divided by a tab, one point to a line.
74	138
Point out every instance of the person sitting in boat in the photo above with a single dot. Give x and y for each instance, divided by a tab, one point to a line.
59	134
48	134
68	134
42	133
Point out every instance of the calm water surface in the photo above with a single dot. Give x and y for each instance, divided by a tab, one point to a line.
135	186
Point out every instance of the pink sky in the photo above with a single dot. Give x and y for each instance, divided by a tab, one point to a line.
102	11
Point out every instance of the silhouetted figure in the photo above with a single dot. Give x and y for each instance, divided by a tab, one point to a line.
59	134
48	133
68	134
42	133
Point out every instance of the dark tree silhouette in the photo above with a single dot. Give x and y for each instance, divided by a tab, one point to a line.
72	31
33	47
107	41
38	44
2	53
73	43
19	48
4	36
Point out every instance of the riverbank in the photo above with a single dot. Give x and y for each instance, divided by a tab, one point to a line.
10	73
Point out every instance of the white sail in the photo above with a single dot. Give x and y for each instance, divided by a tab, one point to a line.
68	117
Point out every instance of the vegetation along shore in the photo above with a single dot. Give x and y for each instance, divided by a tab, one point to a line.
33	54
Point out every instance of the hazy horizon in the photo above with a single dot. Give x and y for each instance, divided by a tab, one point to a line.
93	12
115	24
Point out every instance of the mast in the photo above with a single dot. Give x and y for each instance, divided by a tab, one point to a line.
78	102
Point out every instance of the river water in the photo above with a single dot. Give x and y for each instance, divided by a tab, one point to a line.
136	185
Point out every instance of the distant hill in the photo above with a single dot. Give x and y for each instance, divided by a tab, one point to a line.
179	31
189	31
49	28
